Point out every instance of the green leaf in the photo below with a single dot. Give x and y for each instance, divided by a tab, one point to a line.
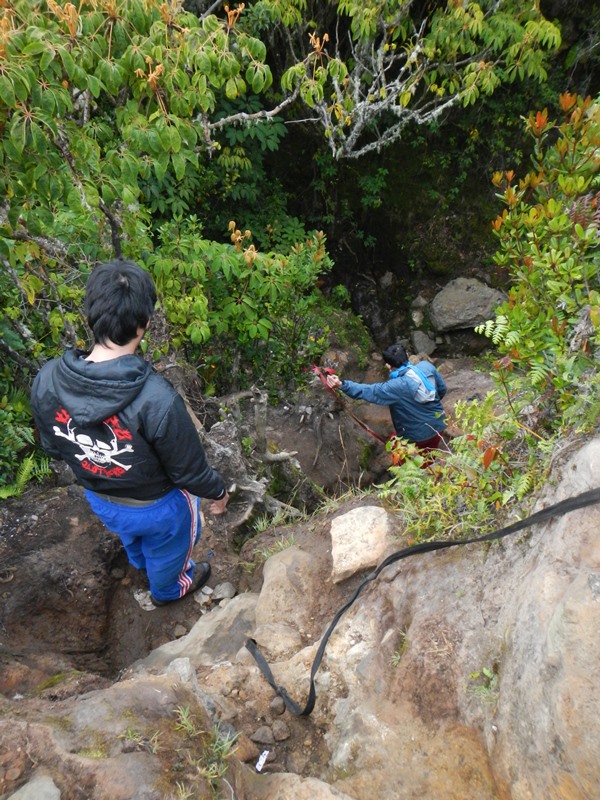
164	134
13	215
37	138
7	92
18	135
94	85
258	82
67	60
175	139
33	48
91	195
178	165
231	89
161	164
46	216
46	60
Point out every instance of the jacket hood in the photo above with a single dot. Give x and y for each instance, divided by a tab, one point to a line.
95	391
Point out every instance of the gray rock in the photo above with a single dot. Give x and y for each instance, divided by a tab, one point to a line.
224	591
278	640
359	540
422	343
277	706
594	584
182	667
215	637
281	730
39	787
463	303
290	576
263	735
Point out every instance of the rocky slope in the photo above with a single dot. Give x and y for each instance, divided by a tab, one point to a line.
468	673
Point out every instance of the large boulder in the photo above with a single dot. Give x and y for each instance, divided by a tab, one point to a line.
463	303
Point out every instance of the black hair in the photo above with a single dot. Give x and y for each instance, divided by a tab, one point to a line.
119	298
395	355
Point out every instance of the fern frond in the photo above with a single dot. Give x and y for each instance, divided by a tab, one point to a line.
524	484
512	339
41	468
24	473
539	373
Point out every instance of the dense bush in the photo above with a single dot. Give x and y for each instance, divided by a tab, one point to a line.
547	336
548	331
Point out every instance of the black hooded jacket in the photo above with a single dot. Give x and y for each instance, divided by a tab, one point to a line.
121	427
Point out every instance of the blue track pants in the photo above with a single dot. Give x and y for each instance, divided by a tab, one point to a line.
158	538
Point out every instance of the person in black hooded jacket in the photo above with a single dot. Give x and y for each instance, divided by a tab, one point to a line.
128	437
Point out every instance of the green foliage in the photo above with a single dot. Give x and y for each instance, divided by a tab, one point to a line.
217	747
23	476
108	117
445	500
484	685
136	740
17	464
548	330
457	495
259	310
371	187
397	63
103	117
121	122
262	524
400	649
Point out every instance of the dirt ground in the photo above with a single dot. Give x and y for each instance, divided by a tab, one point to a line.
70	621
67	594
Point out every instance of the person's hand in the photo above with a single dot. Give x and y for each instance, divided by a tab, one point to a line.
333	381
219	506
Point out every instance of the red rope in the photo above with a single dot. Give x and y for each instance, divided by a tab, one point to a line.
362	424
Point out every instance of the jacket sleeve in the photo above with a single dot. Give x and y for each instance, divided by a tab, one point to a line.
440	385
47	441
182	456
383	394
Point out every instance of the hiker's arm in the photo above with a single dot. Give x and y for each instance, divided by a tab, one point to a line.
383	394
182	456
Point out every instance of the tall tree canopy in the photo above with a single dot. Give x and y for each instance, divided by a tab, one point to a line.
99	97
110	106
368	68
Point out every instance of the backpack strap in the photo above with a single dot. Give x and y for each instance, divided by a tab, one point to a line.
424	378
398	373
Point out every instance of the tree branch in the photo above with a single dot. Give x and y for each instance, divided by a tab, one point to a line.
17	357
53	247
115	228
211	9
244	117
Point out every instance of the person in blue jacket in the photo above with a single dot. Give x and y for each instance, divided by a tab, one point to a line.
128	437
413	393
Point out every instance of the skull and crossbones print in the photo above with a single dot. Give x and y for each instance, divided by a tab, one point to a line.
95	450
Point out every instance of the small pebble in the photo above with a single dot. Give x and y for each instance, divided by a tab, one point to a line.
277	706
281	732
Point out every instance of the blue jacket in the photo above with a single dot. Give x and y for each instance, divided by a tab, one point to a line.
412	420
